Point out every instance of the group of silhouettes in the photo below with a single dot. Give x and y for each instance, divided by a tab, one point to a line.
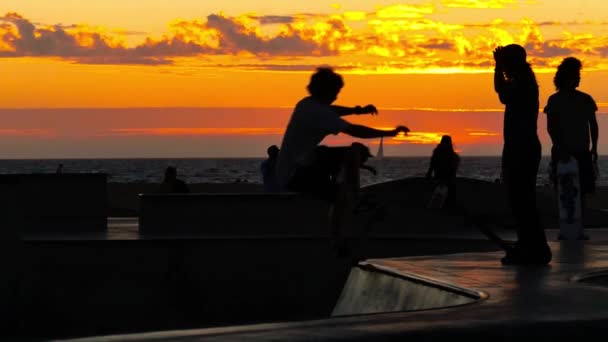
302	164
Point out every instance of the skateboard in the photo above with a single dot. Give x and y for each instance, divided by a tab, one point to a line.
477	222
569	200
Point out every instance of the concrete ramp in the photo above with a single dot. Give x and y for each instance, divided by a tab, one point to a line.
373	289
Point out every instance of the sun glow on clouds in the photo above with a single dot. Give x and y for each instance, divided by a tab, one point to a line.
400	38
423	138
480	3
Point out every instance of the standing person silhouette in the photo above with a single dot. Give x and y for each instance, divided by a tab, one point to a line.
443	166
517	89
571	122
268	168
331	173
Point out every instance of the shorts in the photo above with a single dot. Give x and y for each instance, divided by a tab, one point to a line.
319	178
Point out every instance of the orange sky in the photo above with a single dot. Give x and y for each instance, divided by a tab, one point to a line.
186	53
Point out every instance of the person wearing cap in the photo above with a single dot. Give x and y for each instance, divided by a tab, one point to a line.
331	173
517	89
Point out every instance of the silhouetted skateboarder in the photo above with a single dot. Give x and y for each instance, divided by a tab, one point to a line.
330	173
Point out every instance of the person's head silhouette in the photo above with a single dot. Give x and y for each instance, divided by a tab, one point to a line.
362	150
568	75
170	174
325	85
273	151
446	140
514	56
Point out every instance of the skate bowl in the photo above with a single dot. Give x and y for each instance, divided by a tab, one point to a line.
373	289
598	278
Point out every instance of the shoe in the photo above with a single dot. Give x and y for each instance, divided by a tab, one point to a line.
535	255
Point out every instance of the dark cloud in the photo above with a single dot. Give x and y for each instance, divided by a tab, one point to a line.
274	19
548	49
278	67
437	44
233	38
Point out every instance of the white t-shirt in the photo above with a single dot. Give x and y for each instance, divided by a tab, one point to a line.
310	123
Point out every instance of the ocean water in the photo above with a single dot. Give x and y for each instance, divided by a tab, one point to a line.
228	170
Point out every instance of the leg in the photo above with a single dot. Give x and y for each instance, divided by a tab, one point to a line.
334	177
587	183
531	246
347	182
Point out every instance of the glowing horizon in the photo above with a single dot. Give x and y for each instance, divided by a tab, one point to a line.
429	59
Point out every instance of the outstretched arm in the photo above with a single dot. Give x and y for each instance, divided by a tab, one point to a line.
369	109
364	132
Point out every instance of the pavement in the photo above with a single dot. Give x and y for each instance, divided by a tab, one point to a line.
567	298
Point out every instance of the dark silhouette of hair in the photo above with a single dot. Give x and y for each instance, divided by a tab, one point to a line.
272	151
444	162
568	75
445	145
515	64
325	82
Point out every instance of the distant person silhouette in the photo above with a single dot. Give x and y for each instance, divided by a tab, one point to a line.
171	184
572	124
517	89
268	169
59	169
444	165
331	173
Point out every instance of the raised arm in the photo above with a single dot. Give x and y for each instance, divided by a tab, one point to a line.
364	132
369	109
501	86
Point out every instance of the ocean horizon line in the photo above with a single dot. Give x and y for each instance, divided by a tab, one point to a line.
232	157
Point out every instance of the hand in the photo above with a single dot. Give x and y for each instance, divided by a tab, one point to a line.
498	56
594	154
403	129
369	109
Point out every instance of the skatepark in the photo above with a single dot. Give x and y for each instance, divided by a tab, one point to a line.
416	274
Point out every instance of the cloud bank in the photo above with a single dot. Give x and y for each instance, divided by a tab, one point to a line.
397	38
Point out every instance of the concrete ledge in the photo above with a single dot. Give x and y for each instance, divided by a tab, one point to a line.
60	202
246	214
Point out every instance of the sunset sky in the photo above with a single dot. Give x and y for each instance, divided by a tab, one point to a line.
190	78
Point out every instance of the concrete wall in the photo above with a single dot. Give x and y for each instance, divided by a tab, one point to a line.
372	291
233	214
52	203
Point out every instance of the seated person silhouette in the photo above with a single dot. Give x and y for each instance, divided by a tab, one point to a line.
330	173
268	169
171	184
